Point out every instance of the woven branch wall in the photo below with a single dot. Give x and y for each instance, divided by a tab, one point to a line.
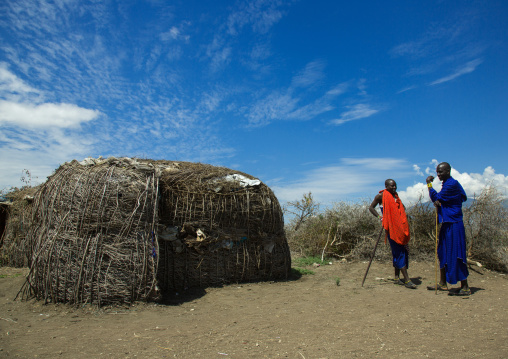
241	223
15	250
91	235
121	230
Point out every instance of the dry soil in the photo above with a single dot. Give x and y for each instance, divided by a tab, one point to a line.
305	318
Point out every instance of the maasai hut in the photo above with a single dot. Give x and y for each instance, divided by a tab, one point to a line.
122	230
15	209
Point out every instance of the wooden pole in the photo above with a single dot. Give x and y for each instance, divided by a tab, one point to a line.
372	257
436	247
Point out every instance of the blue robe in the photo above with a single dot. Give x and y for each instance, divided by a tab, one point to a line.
400	254
452	236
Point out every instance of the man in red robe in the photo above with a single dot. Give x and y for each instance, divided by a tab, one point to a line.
396	227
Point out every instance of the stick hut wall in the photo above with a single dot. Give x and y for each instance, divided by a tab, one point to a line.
123	230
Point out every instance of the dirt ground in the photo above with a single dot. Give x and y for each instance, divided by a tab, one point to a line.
310	317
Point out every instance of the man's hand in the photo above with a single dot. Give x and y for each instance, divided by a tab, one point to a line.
430	179
437	203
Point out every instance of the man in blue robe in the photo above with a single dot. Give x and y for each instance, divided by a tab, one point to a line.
452	236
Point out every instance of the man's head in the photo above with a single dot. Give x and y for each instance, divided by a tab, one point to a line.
391	186
443	171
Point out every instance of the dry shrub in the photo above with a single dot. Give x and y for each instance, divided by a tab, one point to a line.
422	226
486	222
348	230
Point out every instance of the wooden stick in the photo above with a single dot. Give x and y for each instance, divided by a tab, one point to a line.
372	257
326	245
472	262
436	246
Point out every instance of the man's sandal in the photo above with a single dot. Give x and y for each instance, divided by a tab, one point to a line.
461	293
399	282
410	285
440	287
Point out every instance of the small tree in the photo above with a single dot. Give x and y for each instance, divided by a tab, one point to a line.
302	210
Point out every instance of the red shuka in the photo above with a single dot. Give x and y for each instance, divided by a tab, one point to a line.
394	218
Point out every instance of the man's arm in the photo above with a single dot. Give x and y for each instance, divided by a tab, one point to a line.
377	200
432	192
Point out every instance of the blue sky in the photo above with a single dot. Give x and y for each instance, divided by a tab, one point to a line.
331	97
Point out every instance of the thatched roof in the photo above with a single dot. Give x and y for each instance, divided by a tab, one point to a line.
122	229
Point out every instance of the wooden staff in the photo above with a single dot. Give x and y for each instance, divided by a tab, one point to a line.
372	257
436	246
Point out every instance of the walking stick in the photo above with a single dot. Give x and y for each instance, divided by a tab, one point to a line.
436	248
372	257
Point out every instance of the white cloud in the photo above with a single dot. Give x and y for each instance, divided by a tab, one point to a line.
174	33
473	184
284	103
260	52
409	88
37	136
419	190
380	164
10	83
275	106
39	151
285	106
220	58
351	177
463	70
360	178
339	89
260	14
441	47
437	37
312	73
355	112
24	110
418	170
45	115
